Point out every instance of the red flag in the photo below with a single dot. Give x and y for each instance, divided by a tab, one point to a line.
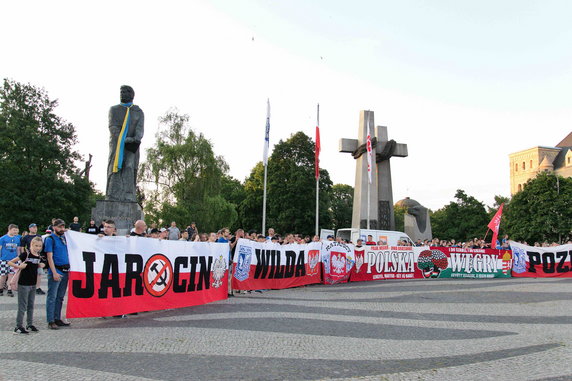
494	226
317	153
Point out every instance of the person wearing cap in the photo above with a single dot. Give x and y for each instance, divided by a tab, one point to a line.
56	249
330	238
25	245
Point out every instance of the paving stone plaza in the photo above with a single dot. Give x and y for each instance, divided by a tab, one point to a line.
505	329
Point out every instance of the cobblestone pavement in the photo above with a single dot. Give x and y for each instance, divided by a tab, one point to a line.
505	329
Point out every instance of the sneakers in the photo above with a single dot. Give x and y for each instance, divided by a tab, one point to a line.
10	293
39	291
20	330
52	325
1	292
60	323
32	328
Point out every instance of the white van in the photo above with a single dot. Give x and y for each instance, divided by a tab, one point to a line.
390	237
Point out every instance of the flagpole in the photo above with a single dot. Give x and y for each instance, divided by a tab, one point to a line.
265	162
264	203
317	175
368	174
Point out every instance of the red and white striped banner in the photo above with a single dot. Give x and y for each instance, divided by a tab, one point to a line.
260	266
530	261
120	275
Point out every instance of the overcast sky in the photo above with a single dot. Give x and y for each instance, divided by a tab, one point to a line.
463	83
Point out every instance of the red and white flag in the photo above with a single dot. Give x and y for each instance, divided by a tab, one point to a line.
494	226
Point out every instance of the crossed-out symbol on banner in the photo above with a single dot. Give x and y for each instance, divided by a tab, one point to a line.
158	275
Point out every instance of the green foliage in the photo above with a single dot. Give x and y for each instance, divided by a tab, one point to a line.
182	179
250	209
37	161
542	211
399	213
463	219
291	190
342	205
292	187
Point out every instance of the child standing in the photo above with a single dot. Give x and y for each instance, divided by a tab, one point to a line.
29	263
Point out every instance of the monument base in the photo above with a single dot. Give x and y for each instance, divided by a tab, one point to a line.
123	213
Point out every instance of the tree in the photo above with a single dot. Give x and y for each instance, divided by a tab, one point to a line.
40	180
342	205
291	190
182	178
399	213
461	220
542	211
250	209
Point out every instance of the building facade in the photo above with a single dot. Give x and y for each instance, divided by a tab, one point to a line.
525	165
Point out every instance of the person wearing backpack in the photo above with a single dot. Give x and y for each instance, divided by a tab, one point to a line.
56	250
30	261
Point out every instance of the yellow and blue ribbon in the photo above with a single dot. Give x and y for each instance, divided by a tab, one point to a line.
118	161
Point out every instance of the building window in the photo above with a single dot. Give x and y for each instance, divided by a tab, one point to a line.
516	167
523	166
568	160
531	164
519	187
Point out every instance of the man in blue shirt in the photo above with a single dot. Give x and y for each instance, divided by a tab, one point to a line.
58	270
8	250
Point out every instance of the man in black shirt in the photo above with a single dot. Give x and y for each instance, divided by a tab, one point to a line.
140	228
92	228
75	226
25	245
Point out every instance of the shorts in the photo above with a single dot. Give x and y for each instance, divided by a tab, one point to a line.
5	269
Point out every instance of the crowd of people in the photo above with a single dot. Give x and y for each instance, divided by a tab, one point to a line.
25	258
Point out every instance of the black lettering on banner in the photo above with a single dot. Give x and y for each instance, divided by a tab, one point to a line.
110	267
533	260
87	292
278	269
194	261
290	264
261	264
205	274
133	274
300	265
548	263
179	262
562	255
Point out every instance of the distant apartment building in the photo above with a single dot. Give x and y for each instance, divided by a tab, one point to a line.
524	165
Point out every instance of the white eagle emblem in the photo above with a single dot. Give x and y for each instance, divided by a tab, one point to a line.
359	261
219	268
314	259
338	263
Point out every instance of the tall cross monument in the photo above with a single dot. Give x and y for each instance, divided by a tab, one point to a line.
380	191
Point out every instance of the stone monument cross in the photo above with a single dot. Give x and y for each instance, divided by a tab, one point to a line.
380	190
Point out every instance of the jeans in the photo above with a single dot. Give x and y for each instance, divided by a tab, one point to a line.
55	297
26	296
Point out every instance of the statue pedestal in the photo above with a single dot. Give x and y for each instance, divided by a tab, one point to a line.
123	213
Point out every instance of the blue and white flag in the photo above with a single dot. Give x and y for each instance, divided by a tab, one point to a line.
267	135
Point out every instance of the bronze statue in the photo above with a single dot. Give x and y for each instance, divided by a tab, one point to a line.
126	131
